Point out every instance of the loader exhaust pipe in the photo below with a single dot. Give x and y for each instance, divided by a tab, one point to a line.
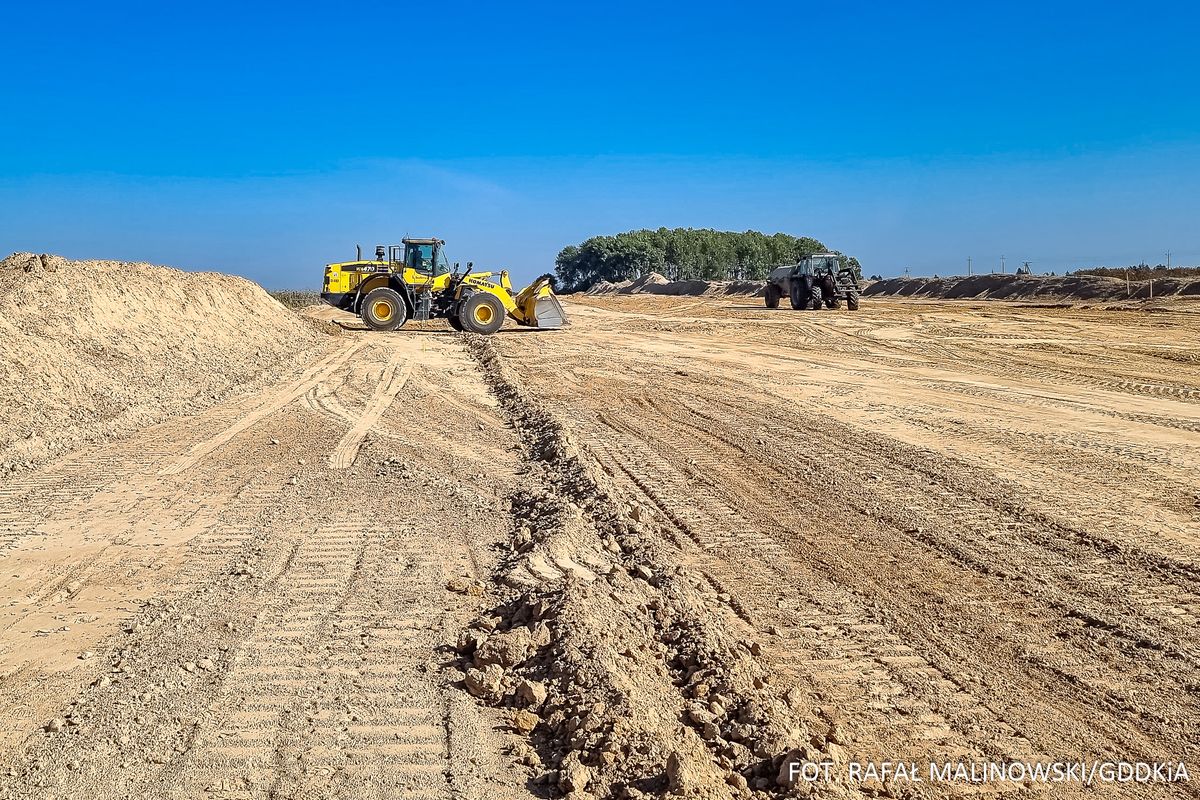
358	252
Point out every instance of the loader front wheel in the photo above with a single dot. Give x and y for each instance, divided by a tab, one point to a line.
383	310
454	322
481	313
851	301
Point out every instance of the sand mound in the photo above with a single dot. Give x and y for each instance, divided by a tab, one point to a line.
654	283
93	349
641	284
1069	288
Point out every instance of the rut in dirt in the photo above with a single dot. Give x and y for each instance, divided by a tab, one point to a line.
629	671
937	607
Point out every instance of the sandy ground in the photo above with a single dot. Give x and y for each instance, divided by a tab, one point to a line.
955	531
250	601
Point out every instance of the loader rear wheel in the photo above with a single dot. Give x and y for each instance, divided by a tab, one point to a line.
481	313
772	295
383	309
851	301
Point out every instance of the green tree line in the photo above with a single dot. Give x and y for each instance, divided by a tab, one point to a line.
1140	272
682	254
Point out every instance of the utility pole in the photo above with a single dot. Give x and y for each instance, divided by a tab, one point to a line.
968	266
1001	265
1168	259
906	272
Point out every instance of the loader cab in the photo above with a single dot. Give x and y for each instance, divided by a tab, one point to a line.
426	257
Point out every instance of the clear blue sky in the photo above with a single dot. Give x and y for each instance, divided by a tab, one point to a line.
267	139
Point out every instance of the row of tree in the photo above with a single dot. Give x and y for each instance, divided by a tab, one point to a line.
682	253
1140	272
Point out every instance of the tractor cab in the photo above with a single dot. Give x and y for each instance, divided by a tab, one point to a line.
819	264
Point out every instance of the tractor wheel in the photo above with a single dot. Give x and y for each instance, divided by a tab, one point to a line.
383	310
851	301
455	322
481	313
829	284
772	295
800	291
815	297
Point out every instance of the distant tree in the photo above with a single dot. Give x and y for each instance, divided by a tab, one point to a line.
1139	272
632	257
682	253
568	266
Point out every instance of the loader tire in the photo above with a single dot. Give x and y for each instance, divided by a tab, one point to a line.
772	295
481	313
454	322
851	301
383	309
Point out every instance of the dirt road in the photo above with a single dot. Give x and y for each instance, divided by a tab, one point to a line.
953	531
974	529
250	601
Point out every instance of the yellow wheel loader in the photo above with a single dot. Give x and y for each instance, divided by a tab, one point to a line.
413	280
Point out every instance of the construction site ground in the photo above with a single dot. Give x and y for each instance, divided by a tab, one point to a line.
953	531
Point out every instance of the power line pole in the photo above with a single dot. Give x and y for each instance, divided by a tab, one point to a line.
1001	265
968	266
1168	259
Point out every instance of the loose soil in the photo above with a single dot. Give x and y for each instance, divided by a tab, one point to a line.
665	551
95	349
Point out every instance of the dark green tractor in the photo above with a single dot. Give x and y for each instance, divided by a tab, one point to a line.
818	280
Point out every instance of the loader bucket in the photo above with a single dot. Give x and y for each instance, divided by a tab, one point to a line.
548	313
537	307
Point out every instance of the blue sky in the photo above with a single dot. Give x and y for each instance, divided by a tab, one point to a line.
266	139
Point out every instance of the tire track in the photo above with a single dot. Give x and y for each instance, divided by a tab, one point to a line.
328	680
390	383
823	637
298	650
900	569
274	402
